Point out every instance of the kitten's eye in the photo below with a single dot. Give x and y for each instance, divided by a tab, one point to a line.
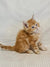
32	26
36	24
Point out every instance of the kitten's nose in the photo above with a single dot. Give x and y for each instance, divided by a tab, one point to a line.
37	28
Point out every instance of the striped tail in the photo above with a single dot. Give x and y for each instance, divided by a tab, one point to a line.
11	48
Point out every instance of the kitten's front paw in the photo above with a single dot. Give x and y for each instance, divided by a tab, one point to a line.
42	48
36	50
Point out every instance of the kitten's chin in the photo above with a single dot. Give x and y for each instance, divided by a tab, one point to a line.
34	33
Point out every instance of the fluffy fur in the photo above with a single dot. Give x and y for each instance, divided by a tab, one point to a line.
28	40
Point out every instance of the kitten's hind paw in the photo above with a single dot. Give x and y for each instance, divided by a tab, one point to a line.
29	52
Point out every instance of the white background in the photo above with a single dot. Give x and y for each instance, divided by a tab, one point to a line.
13	12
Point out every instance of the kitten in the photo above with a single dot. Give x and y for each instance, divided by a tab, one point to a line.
28	40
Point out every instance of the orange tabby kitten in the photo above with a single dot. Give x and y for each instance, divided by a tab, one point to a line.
28	39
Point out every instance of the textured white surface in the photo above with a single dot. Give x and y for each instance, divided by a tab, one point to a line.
12	14
14	59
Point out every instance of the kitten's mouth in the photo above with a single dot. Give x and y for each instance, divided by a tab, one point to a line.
34	32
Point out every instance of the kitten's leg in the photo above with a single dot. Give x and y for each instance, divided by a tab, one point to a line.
41	47
35	48
29	52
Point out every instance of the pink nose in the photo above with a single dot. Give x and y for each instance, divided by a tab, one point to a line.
37	28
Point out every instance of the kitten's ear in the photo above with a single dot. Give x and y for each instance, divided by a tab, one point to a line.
25	24
38	24
33	16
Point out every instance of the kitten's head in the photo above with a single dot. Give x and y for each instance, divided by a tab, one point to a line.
31	26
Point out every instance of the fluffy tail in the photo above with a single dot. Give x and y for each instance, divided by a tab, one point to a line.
11	48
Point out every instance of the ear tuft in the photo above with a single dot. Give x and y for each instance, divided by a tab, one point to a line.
33	16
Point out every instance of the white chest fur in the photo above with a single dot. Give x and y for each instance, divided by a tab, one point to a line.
38	40
33	36
38	36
